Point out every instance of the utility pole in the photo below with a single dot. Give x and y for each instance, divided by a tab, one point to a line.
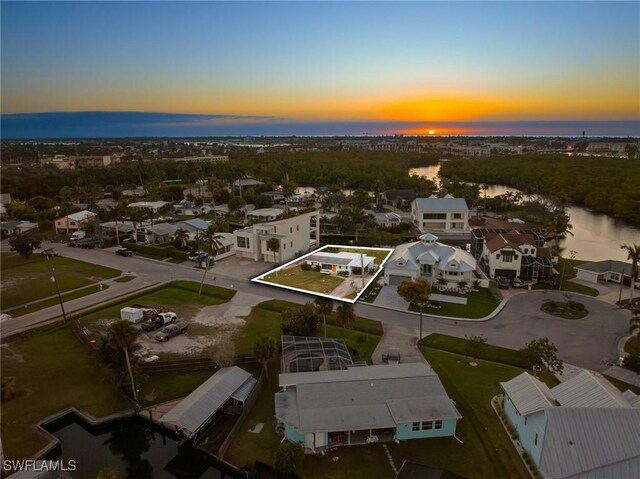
55	281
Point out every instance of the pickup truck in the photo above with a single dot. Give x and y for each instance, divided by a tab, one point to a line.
168	332
161	319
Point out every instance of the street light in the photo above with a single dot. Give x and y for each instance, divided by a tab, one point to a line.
54	281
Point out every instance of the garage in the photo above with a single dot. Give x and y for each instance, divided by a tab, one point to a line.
396	279
507	273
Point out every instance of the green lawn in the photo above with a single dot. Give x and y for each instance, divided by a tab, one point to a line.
371	293
570	272
45	303
53	371
25	280
295	277
486	450
181	296
265	320
479	304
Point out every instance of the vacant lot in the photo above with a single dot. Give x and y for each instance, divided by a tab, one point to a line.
25	280
52	371
314	281
209	325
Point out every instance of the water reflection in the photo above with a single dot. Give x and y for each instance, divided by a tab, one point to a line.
596	236
131	448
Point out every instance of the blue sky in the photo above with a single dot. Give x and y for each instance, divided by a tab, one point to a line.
329	61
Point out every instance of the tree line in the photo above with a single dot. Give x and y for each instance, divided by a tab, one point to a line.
604	184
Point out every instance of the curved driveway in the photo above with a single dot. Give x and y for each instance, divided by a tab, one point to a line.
590	342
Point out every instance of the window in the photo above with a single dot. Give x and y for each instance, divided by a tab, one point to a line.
457	216
525	420
415	426
535	440
507	259
437	425
243	242
526	251
284	246
434	216
291	229
297	227
291	244
497	256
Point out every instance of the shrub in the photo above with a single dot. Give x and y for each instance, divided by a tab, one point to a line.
317	268
575	306
176	253
632	362
550	306
305	267
343	273
476	283
288	457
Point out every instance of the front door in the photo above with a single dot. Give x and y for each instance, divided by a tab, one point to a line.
334	268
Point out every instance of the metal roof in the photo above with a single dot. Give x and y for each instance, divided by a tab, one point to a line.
606	266
441	255
196	223
588	390
342	258
528	394
591	443
365	397
197	407
242	393
81	215
441	205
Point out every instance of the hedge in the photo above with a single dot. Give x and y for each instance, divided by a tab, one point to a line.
159	251
488	352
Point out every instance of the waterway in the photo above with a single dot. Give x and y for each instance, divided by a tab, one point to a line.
133	448
596	236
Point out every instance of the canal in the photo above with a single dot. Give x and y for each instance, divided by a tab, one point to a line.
596	236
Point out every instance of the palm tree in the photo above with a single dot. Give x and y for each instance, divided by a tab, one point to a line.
182	236
118	213
416	292
137	216
559	226
210	241
122	335
264	350
288	189
324	306
345	315
358	217
633	254
273	245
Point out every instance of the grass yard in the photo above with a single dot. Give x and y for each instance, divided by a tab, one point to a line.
565	310
25	280
46	303
295	277
486	452
53	371
371	293
179	295
265	320
570	272
479	304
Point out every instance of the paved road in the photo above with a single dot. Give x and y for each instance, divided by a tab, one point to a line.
590	342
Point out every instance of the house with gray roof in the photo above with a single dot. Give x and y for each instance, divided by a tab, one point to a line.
343	262
582	428
607	270
447	215
228	389
431	260
363	405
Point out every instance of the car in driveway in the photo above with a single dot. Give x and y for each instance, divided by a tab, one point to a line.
503	282
161	319
168	332
517	283
49	252
124	252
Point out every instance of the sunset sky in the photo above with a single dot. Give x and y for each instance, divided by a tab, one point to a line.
326	62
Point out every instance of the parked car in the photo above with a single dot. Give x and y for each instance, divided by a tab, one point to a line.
49	252
124	252
158	321
393	357
170	331
73	244
517	283
503	283
196	256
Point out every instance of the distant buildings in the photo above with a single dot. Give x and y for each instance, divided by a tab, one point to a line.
70	162
204	158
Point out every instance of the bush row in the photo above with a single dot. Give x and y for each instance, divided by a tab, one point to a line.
157	251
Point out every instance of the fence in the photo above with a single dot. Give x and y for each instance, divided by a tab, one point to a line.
189	364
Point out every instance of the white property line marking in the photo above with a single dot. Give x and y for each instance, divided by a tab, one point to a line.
258	279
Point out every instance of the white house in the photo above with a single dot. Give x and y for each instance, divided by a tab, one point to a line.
295	235
583	427
342	262
607	270
264	214
73	222
156	233
431	260
503	253
441	215
188	208
154	206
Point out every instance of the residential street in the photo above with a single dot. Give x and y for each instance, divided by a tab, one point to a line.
589	343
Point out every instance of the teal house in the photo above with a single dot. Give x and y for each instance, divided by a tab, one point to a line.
363	405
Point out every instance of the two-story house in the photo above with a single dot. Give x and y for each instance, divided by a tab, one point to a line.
441	215
583	427
295	236
73	222
503	253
